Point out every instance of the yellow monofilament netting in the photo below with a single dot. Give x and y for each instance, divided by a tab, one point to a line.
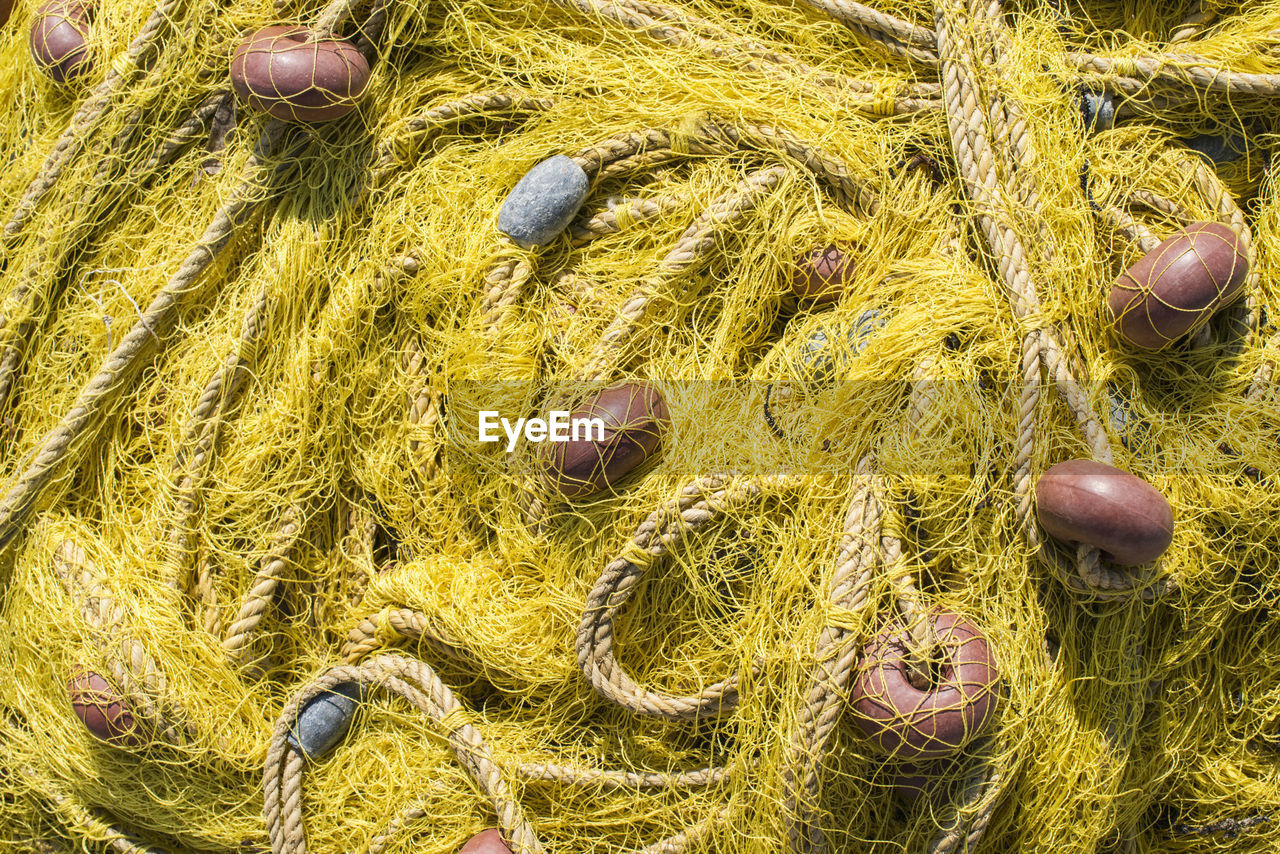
242	368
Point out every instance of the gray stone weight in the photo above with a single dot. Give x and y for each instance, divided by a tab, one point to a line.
323	720
1131	429
544	202
819	358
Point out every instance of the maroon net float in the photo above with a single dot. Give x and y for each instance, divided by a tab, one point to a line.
1176	287
279	72
102	710
486	842
60	39
821	276
1126	518
634	417
937	720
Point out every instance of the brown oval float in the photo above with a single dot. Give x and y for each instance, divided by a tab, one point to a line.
1176	286
821	275
6	9
913	723
486	842
102	709
1083	501
276	70
634	417
60	39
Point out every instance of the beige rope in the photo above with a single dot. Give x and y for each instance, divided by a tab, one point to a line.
258	599
424	411
386	626
697	505
835	655
156	324
966	820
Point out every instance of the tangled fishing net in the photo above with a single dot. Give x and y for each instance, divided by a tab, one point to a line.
249	335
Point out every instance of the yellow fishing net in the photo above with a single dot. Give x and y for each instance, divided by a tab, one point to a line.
243	365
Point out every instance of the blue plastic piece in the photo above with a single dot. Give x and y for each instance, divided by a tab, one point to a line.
819	360
1131	429
1098	109
323	720
544	202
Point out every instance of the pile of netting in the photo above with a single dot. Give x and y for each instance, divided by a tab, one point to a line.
265	588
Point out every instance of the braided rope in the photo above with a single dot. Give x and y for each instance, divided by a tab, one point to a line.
387	625
1195	22
424	406
625	215
686	30
220	397
192	128
140	55
257	600
899	37
698	504
835	656
967	819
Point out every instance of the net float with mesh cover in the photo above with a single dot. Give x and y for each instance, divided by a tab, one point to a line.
281	72
1175	288
935	720
1084	501
103	710
60	39
821	275
634	417
485	842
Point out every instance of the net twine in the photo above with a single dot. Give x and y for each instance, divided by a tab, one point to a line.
154	327
140	56
602	223
1179	79
990	152
510	274
218	401
872	540
135	671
